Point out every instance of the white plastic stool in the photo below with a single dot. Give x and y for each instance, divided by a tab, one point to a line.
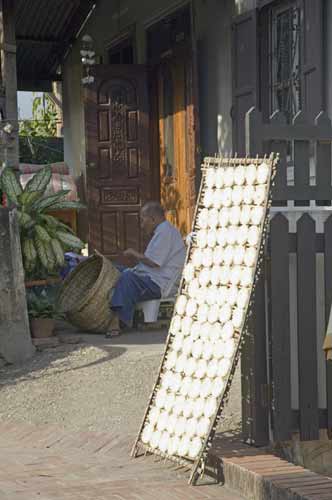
150	308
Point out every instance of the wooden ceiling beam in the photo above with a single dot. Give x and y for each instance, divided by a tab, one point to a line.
39	41
38	84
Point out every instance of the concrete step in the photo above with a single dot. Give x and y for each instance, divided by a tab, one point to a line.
258	474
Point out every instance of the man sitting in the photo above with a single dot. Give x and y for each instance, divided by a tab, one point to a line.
163	258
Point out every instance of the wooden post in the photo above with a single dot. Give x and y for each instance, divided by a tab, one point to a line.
280	330
306	327
8	82
15	340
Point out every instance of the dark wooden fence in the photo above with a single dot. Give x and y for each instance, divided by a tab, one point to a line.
286	382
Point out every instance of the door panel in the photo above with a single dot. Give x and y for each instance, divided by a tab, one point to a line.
117	152
175	122
177	139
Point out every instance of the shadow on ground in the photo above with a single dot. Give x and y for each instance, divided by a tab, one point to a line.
224	443
36	367
73	341
131	337
229	440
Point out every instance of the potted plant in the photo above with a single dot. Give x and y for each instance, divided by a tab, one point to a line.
44	239
42	314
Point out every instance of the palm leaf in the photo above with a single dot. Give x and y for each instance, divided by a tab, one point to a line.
49	219
53	223
29	197
65	227
69	240
39	181
61	205
25	220
47	201
10	185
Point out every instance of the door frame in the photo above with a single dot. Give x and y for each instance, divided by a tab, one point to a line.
189	46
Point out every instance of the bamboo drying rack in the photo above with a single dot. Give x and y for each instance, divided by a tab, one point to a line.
197	466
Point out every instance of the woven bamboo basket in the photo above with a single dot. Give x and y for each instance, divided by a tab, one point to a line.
86	292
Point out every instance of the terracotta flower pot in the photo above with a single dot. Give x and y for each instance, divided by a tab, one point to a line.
41	283
42	327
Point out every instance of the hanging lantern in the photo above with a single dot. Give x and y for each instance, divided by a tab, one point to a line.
87	59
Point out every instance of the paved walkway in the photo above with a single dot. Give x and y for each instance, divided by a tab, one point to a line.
45	463
92	384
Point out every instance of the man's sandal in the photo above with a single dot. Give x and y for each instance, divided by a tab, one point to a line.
112	333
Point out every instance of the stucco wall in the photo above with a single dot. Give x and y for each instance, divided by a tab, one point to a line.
215	76
328	56
212	21
73	116
242	6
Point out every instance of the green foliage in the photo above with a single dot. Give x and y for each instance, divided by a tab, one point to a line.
41	306
10	185
44	119
44	239
40	150
39	181
38	143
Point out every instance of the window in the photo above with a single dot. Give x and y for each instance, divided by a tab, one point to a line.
166	35
285	66
122	53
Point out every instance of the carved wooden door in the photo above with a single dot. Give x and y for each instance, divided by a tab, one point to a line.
177	138
117	152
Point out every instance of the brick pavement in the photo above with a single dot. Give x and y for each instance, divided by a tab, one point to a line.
46	463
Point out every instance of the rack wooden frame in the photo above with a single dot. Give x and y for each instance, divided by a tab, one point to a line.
197	465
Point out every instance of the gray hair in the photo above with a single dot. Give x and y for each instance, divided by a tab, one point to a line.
153	208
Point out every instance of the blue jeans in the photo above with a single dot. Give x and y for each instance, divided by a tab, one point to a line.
130	289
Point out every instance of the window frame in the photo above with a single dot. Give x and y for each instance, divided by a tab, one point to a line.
126	37
275	11
267	65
